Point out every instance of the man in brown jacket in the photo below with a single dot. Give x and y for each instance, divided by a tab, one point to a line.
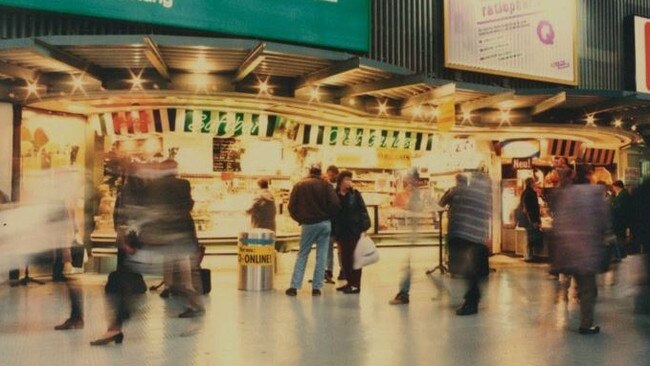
312	204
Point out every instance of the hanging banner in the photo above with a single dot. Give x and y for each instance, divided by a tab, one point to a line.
529	39
446	115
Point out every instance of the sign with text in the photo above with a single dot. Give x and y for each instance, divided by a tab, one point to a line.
343	24
530	39
522	164
226	155
642	53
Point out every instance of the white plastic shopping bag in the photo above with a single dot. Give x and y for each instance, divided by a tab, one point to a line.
366	252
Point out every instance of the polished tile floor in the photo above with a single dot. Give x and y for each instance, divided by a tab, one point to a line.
522	321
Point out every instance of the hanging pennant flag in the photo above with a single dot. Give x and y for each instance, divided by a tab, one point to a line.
95	124
383	140
419	146
188	121
408	142
429	142
180	120
396	141
146	121
358	138
372	138
222	124
238	126
205	122
320	135
271	125
346	138
333	136
446	115
120	123
256	120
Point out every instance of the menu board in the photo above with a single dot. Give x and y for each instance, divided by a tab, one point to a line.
225	155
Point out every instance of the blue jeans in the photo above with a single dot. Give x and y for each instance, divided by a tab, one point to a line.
316	233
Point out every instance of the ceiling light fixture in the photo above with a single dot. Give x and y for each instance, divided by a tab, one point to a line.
383	108
136	81
618	123
314	94
264	87
591	120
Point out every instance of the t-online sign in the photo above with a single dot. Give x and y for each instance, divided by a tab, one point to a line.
642	51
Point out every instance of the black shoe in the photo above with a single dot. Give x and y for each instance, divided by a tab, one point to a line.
342	288
165	294
71	324
315	292
400	299
352	290
118	339
191	313
467	309
59	278
291	292
592	330
341	276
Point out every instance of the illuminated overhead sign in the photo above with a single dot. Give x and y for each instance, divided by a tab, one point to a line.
530	39
343	24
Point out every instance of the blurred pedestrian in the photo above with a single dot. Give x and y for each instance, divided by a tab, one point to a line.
312	203
532	219
641	232
621	218
581	220
410	200
263	210
351	221
332	175
470	210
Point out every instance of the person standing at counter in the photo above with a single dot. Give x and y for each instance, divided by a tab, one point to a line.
349	224
532	220
621	217
312	203
263	210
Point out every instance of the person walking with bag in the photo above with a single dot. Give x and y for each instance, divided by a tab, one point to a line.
349	224
312	203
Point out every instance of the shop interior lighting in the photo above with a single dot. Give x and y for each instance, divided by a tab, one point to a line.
418	111
591	120
77	84
264	87
314	94
505	117
136	81
32	89
467	117
201	82
201	65
383	108
618	123
634	127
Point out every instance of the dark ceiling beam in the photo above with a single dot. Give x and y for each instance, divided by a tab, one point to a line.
19	72
383	85
155	57
432	96
88	69
254	58
320	76
550	103
486	102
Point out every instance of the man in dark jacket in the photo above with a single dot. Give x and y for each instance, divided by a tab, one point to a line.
532	218
621	211
312	204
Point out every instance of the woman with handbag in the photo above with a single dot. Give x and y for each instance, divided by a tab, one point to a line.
349	224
